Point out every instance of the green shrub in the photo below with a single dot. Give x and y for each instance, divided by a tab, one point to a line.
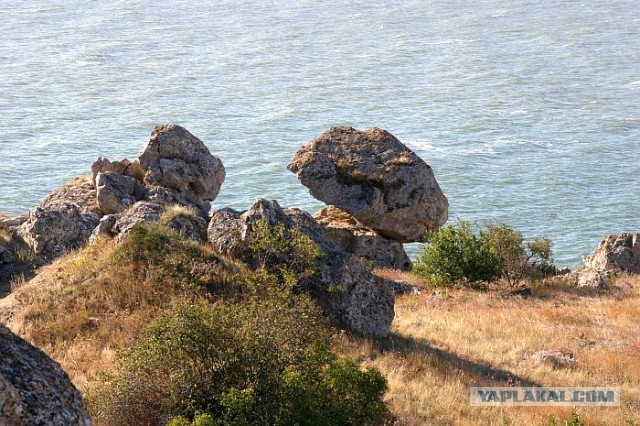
265	361
286	253
498	251
455	253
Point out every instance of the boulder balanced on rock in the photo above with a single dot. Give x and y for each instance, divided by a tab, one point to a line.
374	177
364	304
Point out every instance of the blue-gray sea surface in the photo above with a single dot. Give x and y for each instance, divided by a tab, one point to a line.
528	111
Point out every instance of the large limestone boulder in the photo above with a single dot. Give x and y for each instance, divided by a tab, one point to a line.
63	221
34	390
362	302
352	236
374	177
617	253
182	166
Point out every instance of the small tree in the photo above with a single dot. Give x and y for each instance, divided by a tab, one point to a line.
517	259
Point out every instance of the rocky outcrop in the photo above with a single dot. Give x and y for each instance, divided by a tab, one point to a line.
345	288
352	236
182	166
34	390
375	178
63	221
617	253
614	254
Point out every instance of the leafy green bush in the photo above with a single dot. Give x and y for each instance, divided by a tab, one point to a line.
455	253
266	361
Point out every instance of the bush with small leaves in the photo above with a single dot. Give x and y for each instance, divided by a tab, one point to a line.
264	361
455	253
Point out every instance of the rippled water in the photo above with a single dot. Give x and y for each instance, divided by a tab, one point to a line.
528	111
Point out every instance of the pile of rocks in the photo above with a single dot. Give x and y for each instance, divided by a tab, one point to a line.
174	168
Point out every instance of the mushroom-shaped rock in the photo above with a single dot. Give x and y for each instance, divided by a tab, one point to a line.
374	177
176	160
364	304
354	237
34	390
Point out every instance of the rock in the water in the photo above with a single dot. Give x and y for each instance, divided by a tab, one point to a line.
176	160
34	390
362	302
374	177
617	253
354	237
116	192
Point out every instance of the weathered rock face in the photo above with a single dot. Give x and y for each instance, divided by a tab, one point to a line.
115	192
374	177
34	390
363	304
63	221
617	253
118	225
352	236
176	160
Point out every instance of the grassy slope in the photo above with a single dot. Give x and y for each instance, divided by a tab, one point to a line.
83	306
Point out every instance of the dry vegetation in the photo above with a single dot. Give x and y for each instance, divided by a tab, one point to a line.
444	341
84	306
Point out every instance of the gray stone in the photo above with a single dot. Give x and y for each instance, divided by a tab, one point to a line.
52	232
178	161
115	192
374	177
343	287
34	390
123	167
354	237
118	225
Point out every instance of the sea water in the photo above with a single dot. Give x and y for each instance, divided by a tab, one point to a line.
528	111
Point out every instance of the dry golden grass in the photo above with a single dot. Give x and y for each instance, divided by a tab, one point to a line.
84	306
444	341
